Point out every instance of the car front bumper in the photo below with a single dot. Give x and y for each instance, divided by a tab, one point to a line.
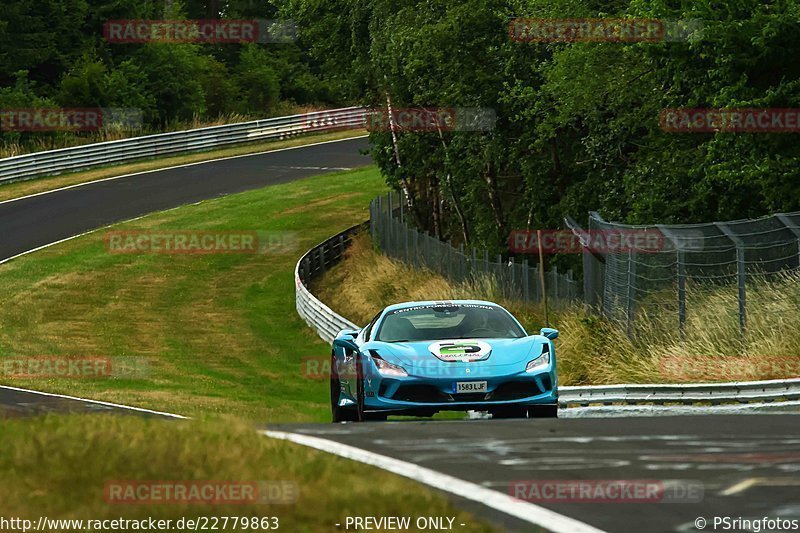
439	393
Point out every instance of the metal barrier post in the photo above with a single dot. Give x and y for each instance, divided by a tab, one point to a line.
680	260
786	221
631	286
741	273
526	283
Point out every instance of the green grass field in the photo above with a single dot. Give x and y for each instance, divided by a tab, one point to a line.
219	333
59	467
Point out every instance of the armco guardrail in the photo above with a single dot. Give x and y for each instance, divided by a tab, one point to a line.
319	316
714	393
53	162
327	323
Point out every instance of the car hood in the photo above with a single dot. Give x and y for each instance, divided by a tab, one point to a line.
482	352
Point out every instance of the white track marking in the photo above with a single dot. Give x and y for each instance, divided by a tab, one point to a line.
96	402
741	486
504	503
320	168
48	245
171	168
7	259
746	484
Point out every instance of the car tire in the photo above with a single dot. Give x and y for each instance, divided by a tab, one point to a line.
339	414
543	411
509	412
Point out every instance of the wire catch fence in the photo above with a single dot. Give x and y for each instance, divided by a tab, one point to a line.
513	279
724	258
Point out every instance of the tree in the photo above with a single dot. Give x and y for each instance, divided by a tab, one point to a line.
257	81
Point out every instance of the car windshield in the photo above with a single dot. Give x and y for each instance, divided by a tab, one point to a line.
452	321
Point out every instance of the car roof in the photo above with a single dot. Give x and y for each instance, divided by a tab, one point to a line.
405	305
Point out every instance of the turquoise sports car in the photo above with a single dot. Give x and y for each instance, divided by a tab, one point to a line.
419	358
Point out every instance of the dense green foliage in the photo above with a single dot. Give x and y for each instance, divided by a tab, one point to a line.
53	54
578	123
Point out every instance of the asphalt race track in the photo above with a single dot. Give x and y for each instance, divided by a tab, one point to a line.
746	465
739	465
38	220
14	404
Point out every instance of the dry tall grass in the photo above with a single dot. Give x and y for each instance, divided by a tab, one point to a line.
593	350
367	281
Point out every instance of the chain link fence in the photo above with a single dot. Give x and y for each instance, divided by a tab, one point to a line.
515	280
692	261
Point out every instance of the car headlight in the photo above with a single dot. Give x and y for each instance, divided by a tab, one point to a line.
540	362
388	369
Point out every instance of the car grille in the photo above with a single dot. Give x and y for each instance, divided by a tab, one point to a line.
421	394
513	390
516	390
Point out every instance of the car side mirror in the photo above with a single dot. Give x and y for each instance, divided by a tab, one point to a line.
345	343
550	333
349	333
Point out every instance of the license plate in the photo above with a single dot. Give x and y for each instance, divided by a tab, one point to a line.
470	386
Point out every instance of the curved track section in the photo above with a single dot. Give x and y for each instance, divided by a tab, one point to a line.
34	221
